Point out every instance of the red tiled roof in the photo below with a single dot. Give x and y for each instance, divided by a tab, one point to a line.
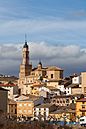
37	85
7	85
82	100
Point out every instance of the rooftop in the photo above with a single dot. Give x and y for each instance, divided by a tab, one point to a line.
62	96
11	101
52	88
82	100
74	86
28	98
3	89
11	78
7	85
45	105
51	68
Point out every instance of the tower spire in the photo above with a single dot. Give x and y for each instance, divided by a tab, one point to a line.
25	45
25	38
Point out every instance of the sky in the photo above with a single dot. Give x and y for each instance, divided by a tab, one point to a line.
56	34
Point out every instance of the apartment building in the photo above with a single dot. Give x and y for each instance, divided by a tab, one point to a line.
81	107
83	82
61	100
12	108
42	111
26	105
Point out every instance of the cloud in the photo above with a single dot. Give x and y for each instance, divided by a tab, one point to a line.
71	58
50	51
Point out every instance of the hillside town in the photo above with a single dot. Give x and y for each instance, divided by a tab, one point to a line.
43	93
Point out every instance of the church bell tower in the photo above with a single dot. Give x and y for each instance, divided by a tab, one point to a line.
25	67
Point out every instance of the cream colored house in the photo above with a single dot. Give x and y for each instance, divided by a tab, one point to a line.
54	73
61	114
42	111
53	83
25	105
83	82
81	107
37	87
76	90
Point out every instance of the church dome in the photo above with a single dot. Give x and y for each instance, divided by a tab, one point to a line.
25	45
40	63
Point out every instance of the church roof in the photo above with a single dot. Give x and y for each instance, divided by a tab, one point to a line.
51	68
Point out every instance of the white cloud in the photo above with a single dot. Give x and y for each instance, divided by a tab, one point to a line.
70	57
50	51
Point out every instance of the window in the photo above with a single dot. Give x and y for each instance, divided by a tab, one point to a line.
51	75
63	101
67	100
85	89
83	106
83	113
57	101
24	110
29	111
29	104
75	79
54	101
72	101
20	104
25	104
20	111
11	110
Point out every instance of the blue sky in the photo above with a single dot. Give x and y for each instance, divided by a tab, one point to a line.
57	27
53	21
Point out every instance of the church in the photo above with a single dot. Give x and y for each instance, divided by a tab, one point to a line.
28	76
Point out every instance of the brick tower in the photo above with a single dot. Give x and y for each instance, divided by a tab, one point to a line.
25	67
